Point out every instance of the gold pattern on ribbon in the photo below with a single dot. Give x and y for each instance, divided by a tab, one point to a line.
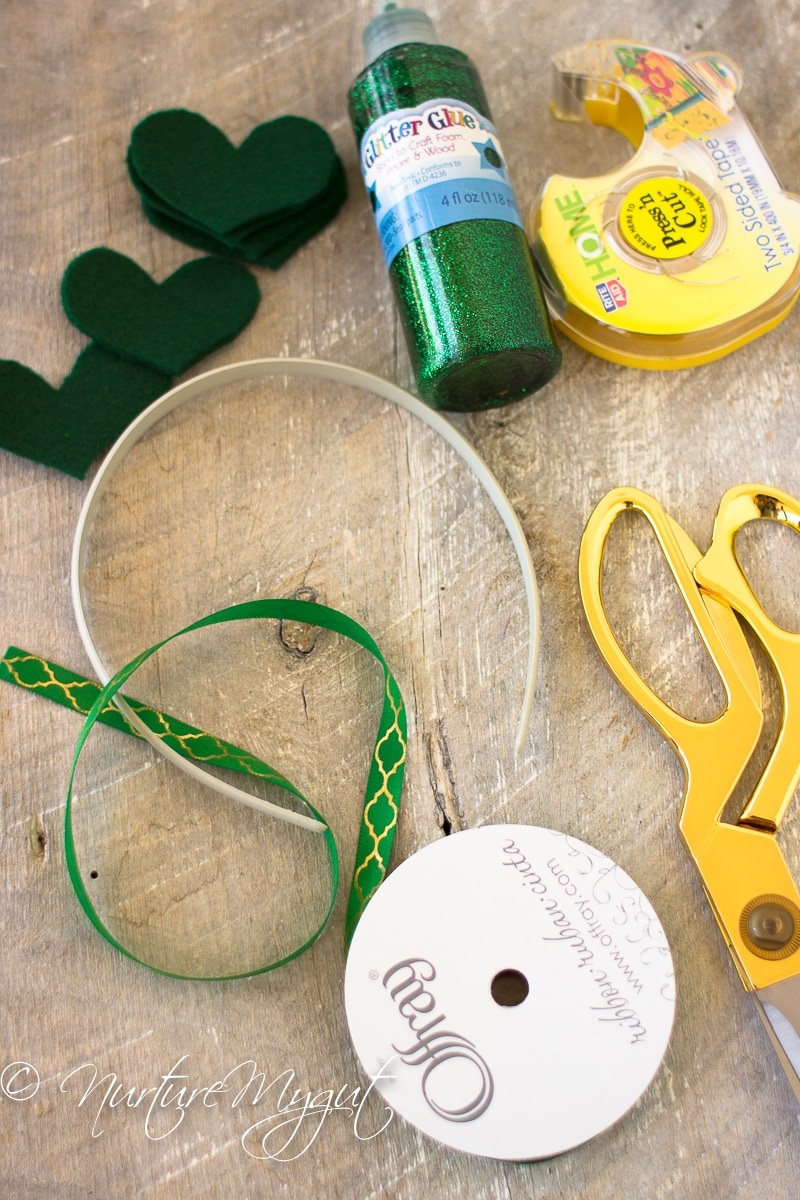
381	808
36	674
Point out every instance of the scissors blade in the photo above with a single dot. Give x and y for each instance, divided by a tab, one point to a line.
778	1006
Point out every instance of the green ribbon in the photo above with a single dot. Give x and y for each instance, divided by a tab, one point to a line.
384	783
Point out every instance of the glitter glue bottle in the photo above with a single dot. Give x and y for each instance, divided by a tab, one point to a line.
476	325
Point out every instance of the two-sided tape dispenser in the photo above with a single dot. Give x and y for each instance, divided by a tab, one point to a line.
689	249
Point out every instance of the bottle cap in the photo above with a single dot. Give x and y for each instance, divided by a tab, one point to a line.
397	27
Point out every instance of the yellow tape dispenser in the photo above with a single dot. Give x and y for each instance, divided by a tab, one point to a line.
689	249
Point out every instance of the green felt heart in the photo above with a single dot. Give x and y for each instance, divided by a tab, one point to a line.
268	246
201	240
168	325
68	427
281	167
292	219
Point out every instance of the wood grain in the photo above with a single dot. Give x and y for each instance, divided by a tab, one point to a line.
273	492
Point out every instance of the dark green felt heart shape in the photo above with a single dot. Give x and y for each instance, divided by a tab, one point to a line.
269	246
169	325
68	427
293	219
281	167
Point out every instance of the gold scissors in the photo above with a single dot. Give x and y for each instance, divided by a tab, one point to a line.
744	874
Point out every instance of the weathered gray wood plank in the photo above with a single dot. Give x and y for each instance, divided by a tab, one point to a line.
346	496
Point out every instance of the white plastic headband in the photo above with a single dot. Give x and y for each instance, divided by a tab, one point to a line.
263	368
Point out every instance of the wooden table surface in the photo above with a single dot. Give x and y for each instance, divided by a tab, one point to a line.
335	495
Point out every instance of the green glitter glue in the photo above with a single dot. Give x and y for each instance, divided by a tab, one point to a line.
476	325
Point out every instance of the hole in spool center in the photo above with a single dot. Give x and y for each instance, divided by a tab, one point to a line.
509	988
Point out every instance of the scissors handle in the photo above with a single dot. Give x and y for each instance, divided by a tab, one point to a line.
719	574
740	722
742	868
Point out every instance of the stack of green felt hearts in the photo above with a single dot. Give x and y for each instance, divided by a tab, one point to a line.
259	201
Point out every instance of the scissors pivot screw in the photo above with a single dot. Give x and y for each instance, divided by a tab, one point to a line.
749	884
770	926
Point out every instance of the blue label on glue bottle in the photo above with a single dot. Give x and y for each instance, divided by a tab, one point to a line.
432	166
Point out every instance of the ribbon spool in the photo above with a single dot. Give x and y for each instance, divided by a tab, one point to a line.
535	1016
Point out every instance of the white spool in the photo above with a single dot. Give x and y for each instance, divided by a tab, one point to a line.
510	991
